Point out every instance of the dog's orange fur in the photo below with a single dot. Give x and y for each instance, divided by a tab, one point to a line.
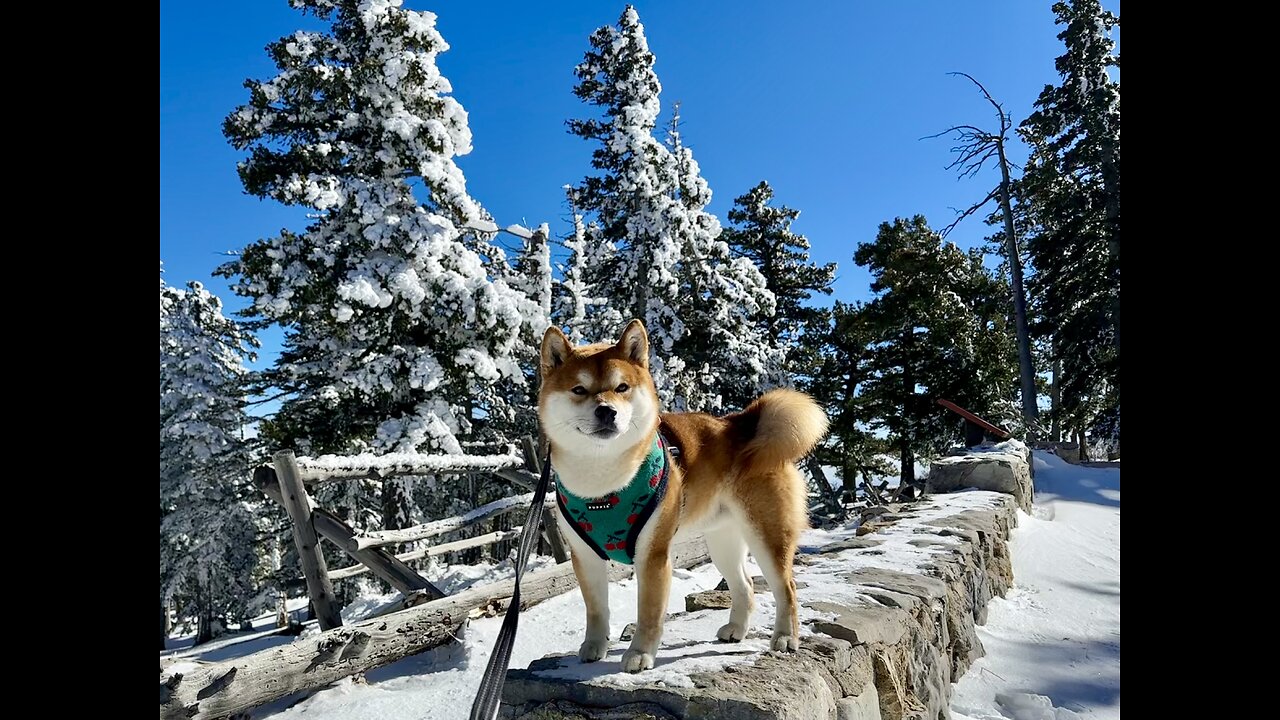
734	474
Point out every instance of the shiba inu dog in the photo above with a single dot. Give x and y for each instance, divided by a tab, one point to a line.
622	495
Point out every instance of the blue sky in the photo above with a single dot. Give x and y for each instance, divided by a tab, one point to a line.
825	100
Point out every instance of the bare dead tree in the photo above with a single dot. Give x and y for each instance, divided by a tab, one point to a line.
974	148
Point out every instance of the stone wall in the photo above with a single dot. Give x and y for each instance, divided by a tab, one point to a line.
1004	468
890	615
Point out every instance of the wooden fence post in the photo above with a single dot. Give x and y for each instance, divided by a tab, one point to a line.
550	530
331	527
828	493
298	505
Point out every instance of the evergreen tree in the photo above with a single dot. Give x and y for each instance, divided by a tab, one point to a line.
1071	193
578	304
667	265
762	233
842	354
936	329
403	331
727	357
532	277
207	527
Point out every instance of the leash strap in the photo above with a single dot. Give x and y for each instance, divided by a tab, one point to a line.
489	696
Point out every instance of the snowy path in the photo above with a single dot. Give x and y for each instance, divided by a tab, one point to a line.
1053	645
441	684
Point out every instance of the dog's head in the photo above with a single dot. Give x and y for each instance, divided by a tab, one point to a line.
599	396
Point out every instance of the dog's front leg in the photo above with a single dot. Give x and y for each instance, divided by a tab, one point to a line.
593	579
653	576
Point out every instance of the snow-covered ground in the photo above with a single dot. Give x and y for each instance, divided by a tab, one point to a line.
441	684
1053	644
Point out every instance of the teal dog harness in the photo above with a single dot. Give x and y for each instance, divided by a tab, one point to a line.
611	524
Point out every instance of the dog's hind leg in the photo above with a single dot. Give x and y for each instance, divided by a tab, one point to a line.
774	557
728	551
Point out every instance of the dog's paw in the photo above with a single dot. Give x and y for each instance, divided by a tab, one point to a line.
785	643
634	661
593	650
731	632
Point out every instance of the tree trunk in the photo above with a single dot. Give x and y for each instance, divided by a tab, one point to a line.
1026	370
849	476
164	626
907	472
1055	398
395	504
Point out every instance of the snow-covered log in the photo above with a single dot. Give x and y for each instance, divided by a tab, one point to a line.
221	689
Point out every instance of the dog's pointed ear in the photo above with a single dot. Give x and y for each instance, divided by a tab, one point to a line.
635	343
555	349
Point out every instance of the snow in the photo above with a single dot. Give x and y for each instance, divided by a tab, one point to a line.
519	231
441	684
1053	644
405	463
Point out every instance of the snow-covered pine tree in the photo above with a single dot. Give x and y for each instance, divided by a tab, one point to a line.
207	528
630	199
669	267
937	328
762	233
1071	191
401	326
578	305
532	276
728	357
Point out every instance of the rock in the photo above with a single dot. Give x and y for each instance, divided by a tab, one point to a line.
867	528
566	710
708	600
628	632
795	686
853	543
863	706
1069	451
873	511
1001	468
862	625
758	584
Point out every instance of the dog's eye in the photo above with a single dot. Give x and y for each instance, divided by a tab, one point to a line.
622	388
579	390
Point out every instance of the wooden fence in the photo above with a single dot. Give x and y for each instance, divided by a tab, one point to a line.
286	481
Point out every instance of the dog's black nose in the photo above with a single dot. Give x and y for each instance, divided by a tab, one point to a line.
604	413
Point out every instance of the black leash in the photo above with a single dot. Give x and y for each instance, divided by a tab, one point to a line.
489	696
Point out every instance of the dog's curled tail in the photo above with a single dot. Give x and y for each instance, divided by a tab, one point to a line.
788	424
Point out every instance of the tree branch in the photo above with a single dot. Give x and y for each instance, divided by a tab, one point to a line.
972	209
